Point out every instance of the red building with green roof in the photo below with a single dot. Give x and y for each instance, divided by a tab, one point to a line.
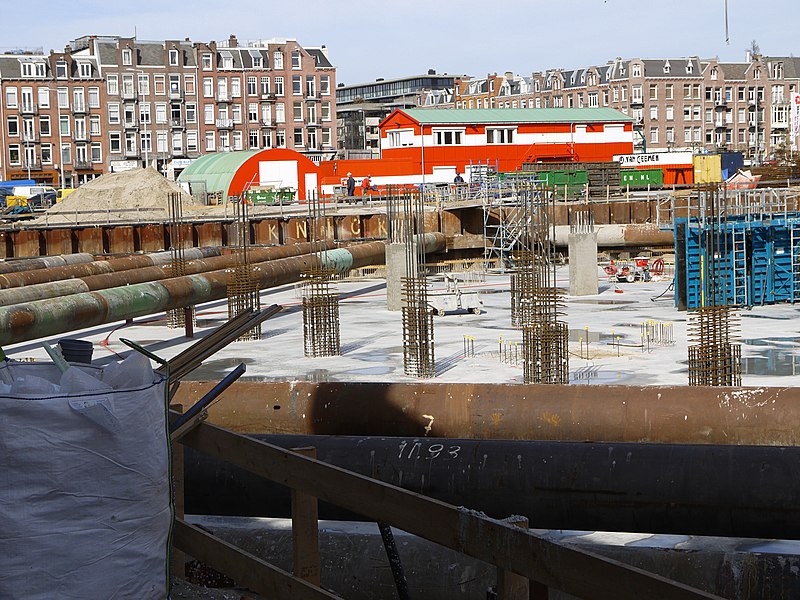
432	145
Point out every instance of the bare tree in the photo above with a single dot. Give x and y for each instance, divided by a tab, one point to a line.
754	48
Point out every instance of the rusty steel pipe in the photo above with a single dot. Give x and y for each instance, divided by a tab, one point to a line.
53	316
22	278
44	262
621	236
161	270
766	416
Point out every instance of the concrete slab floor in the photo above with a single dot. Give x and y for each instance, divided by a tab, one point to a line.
372	347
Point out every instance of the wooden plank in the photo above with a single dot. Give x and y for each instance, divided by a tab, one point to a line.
245	569
305	531
571	570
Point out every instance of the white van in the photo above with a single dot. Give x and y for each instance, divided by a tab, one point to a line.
32	190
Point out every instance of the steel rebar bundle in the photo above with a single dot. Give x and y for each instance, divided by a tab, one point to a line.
714	354
243	290
176	318
406	218
321	324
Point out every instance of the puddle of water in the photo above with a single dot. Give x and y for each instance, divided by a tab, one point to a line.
772	361
603	302
774	547
770	341
370	371
594	376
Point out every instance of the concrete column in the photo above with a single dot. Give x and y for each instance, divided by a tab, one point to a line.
583	263
395	271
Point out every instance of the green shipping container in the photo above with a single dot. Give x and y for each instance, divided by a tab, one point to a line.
641	178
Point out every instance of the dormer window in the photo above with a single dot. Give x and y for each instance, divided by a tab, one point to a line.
127	56
33	69
689	67
295	59
572	79
757	73
583	77
713	73
205	61
84	70
61	69
636	71
173	58
257	59
667	68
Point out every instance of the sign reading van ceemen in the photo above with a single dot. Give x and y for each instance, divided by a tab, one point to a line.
654	159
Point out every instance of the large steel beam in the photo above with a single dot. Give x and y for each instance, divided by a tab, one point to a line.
680	415
19	323
730	491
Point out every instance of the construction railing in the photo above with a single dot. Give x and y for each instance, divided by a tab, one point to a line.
515	551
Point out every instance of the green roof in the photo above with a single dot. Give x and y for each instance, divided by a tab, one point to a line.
476	116
216	170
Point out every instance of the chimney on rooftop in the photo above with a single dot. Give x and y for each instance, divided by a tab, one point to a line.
232	42
67	49
509	75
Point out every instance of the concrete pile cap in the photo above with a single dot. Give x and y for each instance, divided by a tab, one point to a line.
127	196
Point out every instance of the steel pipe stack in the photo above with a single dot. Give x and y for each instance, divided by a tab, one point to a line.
19	323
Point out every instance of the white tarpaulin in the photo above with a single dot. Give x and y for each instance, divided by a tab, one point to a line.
85	505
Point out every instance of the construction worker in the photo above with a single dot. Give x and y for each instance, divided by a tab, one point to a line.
366	186
351	185
459	178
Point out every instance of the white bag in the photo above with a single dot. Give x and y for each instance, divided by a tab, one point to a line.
85	500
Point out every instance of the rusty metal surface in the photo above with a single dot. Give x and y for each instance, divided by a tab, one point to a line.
119	240
45	262
208	234
620	213
647	235
348	227
59	241
267	231
760	416
85	269
150	237
374	226
90	240
27	243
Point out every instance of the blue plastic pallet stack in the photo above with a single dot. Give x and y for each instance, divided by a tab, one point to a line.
757	260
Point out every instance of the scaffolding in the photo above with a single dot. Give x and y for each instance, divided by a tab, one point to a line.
536	301
505	216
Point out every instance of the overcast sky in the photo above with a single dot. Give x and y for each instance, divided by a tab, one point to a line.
371	39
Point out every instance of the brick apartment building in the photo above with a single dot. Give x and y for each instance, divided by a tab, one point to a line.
678	103
110	103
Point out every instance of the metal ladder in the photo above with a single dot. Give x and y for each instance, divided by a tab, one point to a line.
794	229
740	291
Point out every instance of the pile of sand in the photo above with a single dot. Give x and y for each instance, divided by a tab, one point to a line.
131	196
